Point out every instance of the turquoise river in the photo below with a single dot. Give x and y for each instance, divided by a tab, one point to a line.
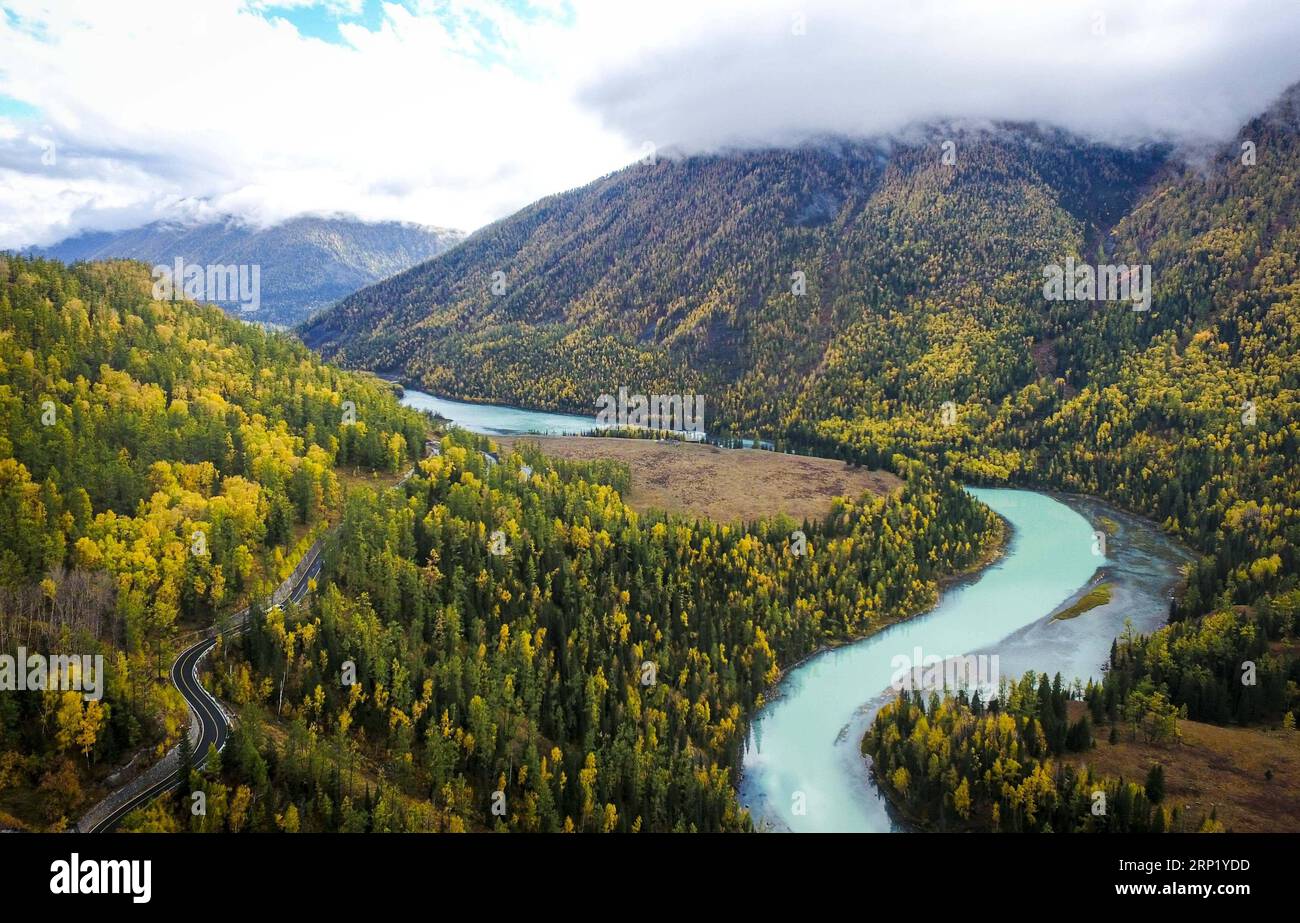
803	771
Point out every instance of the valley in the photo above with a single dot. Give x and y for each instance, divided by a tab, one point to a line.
801	769
906	325
300	266
457	419
621	634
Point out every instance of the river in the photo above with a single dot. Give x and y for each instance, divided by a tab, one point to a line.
500	419
802	768
806	739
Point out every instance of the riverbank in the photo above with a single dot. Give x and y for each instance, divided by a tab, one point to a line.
806	738
1140	566
993	552
996	550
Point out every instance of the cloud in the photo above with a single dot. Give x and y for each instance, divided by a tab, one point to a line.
443	119
457	113
1178	70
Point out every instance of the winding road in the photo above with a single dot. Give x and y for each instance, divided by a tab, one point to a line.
211	717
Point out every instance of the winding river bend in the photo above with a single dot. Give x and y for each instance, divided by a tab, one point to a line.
805	740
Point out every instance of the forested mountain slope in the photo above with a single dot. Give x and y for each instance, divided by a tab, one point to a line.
160	463
924	285
678	276
1191	414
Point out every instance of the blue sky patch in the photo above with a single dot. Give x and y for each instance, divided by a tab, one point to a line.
322	20
11	108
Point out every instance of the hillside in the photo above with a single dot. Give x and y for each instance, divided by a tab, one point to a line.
677	277
160	465
1249	777
307	263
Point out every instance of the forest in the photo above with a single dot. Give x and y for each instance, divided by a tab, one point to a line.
1233	666
160	465
954	762
957	763
598	675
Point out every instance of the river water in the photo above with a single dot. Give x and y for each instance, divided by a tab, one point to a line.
802	768
500	419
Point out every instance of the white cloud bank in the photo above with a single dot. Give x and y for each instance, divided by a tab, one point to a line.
459	113
1180	70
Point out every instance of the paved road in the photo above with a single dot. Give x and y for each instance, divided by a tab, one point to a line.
213	722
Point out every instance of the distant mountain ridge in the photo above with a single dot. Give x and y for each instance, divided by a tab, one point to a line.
307	263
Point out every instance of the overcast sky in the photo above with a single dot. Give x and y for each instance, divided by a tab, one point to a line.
455	114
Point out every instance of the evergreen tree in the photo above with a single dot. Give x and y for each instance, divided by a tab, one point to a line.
1155	787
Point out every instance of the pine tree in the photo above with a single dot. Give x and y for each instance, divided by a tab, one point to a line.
1080	736
1156	783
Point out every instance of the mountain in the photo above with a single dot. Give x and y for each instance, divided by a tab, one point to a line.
677	276
926	328
306	263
